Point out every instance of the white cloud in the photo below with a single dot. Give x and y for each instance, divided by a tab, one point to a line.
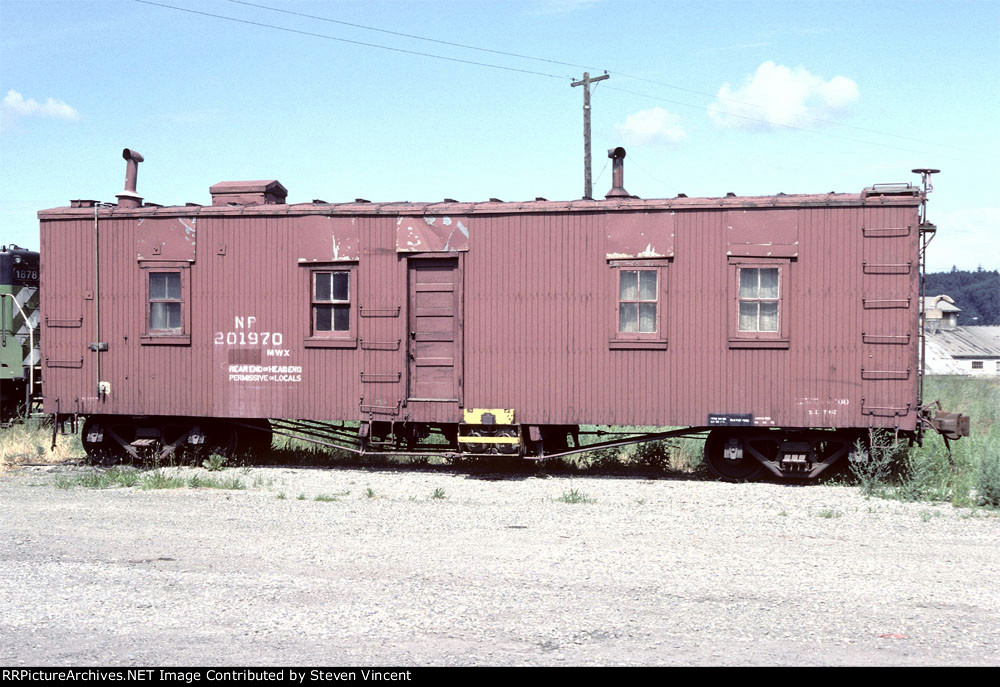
15	104
655	125
776	95
965	238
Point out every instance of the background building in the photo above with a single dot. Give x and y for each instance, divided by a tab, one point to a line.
956	350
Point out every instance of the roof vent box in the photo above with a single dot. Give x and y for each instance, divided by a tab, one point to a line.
266	192
891	190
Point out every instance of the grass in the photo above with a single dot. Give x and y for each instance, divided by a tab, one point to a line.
101	479
829	513
574	496
260	481
234	483
679	455
29	441
970	476
161	479
214	462
438	494
877	462
148	480
652	458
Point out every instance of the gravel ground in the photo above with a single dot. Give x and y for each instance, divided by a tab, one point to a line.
498	572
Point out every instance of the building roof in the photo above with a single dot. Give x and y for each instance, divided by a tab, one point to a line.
967	342
942	303
456	208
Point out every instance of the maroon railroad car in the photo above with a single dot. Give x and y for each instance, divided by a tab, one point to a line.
785	325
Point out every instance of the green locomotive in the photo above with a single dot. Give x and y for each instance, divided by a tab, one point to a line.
20	354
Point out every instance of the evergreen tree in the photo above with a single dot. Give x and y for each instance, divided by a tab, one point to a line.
976	293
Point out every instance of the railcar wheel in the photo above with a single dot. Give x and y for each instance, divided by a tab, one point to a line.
494	447
103	449
222	437
511	432
476	448
170	431
731	469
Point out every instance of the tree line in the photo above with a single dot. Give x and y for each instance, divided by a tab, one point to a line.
977	293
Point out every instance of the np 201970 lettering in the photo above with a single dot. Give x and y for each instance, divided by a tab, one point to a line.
243	334
248	338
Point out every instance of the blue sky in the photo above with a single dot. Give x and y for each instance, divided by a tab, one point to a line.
748	97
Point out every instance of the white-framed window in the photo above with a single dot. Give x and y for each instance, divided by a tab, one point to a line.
638	301
333	305
640	313
759	299
331	301
167	310
165	304
759	289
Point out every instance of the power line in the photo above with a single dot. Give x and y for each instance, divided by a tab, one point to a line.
580	66
528	71
407	35
352	42
601	173
633	163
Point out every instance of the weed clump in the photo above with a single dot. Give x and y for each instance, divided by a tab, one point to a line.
658	457
964	472
603	460
874	462
101	479
196	482
574	496
160	479
988	481
654	455
214	462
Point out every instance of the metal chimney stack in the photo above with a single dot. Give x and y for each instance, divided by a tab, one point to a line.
617	174
129	198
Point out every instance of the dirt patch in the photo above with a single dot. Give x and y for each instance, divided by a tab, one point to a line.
417	567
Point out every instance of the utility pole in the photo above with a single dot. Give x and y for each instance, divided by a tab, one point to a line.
588	190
